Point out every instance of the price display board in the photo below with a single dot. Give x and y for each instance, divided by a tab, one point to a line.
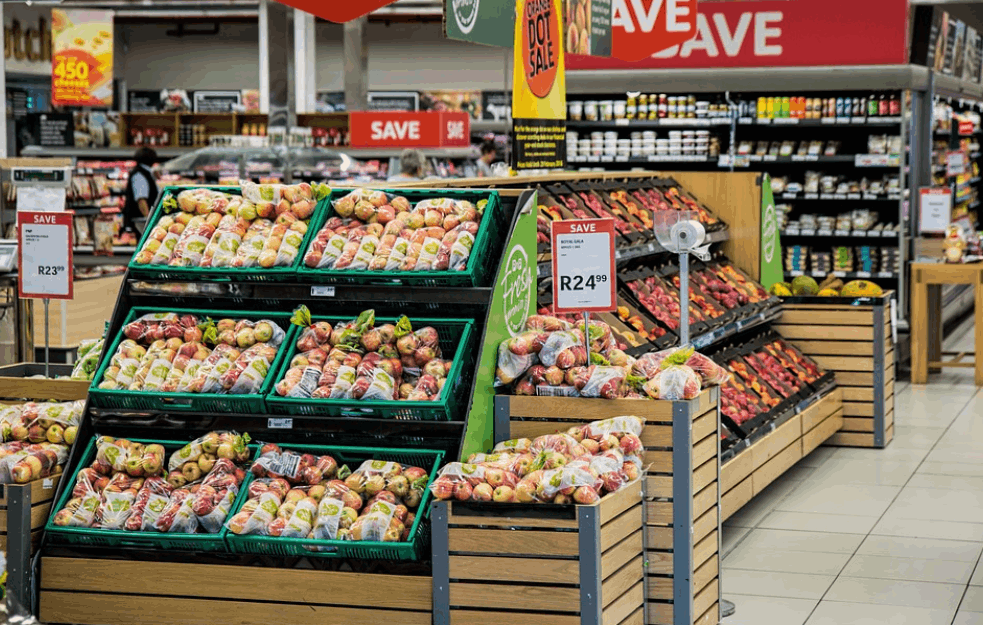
45	261
934	209
583	266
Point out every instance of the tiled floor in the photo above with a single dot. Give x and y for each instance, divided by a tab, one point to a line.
872	537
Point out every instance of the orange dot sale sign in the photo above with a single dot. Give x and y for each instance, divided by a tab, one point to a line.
82	61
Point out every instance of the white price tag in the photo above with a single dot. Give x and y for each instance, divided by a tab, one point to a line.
583	266
275	423
45	199
45	255
322	291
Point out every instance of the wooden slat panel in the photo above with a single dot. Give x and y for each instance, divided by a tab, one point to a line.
806	332
39	515
656	435
704	500
635	618
854	378
659	562
704	549
532	429
704	450
658	486
858	424
706	572
659	537
829	317
734	499
706	597
889	419
628	522
705	474
661	587
851	439
658	461
858	393
653	412
780	463
508	596
658	512
459	515
41	490
858	409
735	470
816	413
493	569
96	608
622	553
888	435
612	505
43	390
623	580
659	613
512	617
507	542
844	363
705	524
769	446
705	425
626	604
710	617
822	432
836	348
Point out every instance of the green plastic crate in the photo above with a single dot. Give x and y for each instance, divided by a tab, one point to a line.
93	537
191	402
219	274
453	332
414	549
475	274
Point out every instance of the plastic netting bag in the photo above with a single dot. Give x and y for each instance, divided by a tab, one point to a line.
674	383
604	382
225	444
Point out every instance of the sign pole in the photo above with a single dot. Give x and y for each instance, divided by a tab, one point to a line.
47	355
684	299
587	335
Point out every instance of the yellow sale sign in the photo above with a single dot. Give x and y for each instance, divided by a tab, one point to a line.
82	61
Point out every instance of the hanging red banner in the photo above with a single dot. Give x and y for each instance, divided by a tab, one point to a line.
337	12
756	33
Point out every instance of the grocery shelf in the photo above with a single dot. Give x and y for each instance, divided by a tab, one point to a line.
490	125
848	275
390	152
117	249
126	151
735	327
824	122
865	197
648	124
654	158
890	235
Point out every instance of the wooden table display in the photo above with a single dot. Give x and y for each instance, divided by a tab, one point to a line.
853	338
682	491
16	384
795	435
926	318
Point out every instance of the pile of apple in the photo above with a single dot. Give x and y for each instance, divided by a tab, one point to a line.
41	422
357	360
22	462
177	353
306	496
678	373
126	487
376	231
263	227
578	466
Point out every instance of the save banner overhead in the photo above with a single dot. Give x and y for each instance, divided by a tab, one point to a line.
753	33
82	62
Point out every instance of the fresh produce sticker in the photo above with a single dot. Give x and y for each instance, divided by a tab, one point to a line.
82	63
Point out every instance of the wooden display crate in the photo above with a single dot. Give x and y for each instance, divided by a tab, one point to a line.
853	340
88	591
24	510
511	563
16	384
796	436
682	491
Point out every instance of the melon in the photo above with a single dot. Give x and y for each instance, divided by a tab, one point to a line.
861	288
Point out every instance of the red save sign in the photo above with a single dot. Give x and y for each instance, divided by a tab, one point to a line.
430	129
649	26
44	255
763	33
583	266
337	12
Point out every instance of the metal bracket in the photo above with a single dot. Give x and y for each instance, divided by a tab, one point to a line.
682	512
880	369
502	423
589	524
18	550
439	547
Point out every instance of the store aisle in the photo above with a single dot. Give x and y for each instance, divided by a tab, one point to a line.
872	537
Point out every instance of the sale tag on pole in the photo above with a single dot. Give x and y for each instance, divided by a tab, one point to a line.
45	255
583	266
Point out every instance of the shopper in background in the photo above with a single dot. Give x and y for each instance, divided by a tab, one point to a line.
141	191
411	166
488	154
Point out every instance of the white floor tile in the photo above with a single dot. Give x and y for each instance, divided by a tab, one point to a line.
855	499
950	468
968	618
875	472
911	437
896	592
948	482
759	507
924	548
771	584
769	610
837	613
891	525
797	540
817	458
811	522
938	504
782	561
888	453
731	536
912	569
977	579
973	601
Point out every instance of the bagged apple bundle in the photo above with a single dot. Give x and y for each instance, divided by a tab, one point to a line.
32	462
89	353
127	457
200	456
39	422
202	505
295	468
150	501
674	380
711	374
81	509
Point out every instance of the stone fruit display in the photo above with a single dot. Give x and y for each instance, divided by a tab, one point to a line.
359	360
300	495
578	466
182	353
378	231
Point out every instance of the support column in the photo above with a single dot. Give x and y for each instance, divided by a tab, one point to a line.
279	34
3	91
356	54
305	59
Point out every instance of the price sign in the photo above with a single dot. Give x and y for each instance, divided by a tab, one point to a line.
955	163
934	209
45	267
583	266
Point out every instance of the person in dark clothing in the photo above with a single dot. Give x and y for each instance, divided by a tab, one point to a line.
141	190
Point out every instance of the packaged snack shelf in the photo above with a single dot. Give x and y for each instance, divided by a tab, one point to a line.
476	272
371	550
93	537
456	332
189	402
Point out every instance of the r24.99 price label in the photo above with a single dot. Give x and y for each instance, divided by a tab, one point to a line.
583	266
579	283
